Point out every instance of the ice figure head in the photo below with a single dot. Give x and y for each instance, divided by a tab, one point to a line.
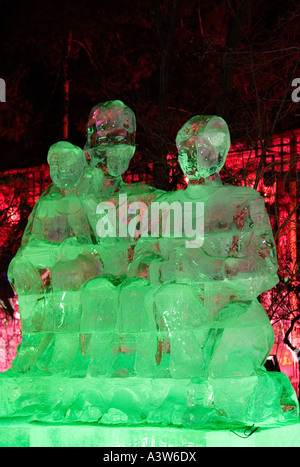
203	144
111	137
67	164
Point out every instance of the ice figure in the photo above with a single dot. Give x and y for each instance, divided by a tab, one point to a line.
56	257
136	308
237	258
110	145
210	321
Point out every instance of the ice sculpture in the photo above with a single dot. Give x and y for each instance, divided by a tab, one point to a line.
132	318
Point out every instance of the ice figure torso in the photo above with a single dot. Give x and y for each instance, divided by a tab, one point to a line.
237	240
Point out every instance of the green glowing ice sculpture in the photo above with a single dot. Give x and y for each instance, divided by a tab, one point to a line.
131	319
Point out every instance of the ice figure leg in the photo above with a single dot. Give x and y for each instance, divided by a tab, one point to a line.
99	299
180	313
137	329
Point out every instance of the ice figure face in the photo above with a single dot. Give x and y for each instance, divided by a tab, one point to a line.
203	144
67	163
111	137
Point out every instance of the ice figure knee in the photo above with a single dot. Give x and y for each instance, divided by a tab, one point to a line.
239	341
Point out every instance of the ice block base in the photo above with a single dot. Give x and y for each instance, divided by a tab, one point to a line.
18	433
262	400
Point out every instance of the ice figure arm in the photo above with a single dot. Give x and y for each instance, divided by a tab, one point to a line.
23	276
33	229
252	259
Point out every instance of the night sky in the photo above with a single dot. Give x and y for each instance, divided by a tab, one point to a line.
168	60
